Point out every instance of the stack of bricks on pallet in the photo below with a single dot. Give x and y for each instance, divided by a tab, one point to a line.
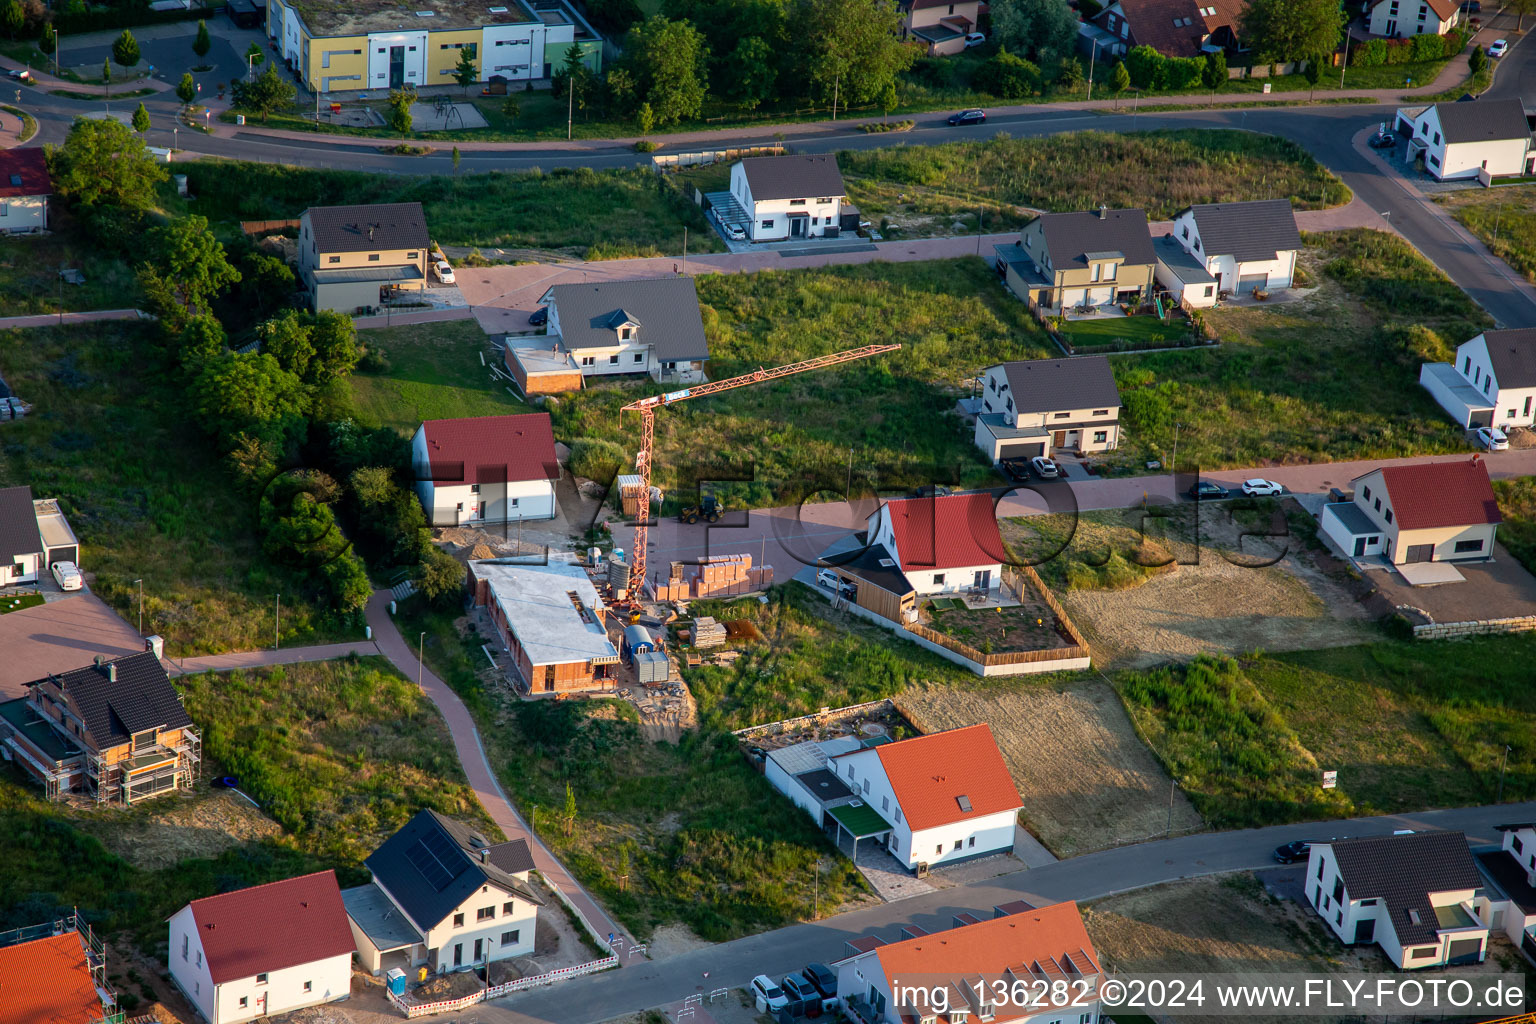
707	632
717	574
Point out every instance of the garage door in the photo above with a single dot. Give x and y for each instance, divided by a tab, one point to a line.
1420	553
69	554
1249	282
1020	449
1464	951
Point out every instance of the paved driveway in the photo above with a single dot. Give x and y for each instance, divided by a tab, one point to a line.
58	636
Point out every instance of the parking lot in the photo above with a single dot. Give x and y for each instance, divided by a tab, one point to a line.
62	634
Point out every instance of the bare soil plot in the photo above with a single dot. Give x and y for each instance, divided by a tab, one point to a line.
177	828
1086	779
1025	627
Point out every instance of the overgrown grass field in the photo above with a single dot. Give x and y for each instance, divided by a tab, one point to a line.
1503	219
29	273
433	371
1517	501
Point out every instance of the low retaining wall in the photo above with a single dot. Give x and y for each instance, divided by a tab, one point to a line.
1072	659
1476	627
505	988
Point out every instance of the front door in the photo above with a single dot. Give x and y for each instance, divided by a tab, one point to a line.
1360	550
1365	931
1061	439
396	66
549	678
797	227
1420	553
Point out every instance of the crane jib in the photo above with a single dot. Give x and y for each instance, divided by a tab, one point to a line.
676	396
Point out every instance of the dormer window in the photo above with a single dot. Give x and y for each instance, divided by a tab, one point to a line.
626	332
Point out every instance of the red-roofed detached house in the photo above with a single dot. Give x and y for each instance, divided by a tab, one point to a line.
944	797
263	950
974	972
942	545
1432	512
486	469
54	980
24	190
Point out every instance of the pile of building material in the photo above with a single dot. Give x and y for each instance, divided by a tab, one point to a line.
715	576
13	408
707	632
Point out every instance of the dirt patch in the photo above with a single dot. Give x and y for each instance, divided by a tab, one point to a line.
448	986
1086	779
671	939
174	829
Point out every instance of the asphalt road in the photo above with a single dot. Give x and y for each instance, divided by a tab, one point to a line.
1088	877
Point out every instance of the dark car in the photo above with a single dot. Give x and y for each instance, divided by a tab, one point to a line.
1017	469
802	992
1472	7
822	977
1207	491
972	116
1290	853
1383	140
931	491
539	317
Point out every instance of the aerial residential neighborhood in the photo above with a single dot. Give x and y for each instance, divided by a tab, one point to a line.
869	511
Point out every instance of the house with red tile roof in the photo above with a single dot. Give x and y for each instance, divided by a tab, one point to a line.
1431	512
53	980
987	970
941	544
486	469
936	799
263	950
1174	28
24	190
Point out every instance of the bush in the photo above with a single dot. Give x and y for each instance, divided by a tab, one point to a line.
646	146
596	459
1428	47
1008	76
1477	60
1370	55
440	578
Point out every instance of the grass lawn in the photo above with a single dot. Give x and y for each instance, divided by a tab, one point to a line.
1107	549
20	602
144	492
1111	333
29	273
434	372
925	188
1273	392
1517	500
1503	219
585	213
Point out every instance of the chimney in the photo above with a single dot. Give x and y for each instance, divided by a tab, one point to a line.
485	855
1103	212
100	660
112	671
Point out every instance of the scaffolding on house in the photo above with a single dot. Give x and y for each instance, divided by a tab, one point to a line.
148	772
94	946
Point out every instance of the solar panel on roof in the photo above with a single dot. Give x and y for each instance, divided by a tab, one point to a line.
445	850
435	856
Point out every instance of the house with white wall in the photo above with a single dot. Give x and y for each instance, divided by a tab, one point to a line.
34	534
804	774
486	469
25	186
784	197
1430	512
941	544
443	897
1469	138
1490	383
1511	874
1242	246
1040	406
1413	895
264	950
1400	19
1045	950
945	797
358	257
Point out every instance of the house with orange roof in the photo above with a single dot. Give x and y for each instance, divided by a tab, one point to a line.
1408	515
56	979
937	799
942	544
977	970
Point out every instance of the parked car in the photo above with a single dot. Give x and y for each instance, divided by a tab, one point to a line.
1290	853
1492	438
68	576
827	578
1498	48
19	74
443	271
735	232
822	977
1045	468
1207	491
801	991
1472	7
1257	488
972	116
1017	469
931	491
767	994
1383	140
974	39
539	317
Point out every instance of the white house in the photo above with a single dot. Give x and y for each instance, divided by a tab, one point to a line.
1239	246
785	197
941	545
443	897
1492	381
24	190
1404	18
1413	895
803	773
612	328
264	950
1469	138
1045	951
941	798
1512	896
33	536
1039	406
1430	512
486	469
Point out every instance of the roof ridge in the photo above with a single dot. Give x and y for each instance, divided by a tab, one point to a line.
263	885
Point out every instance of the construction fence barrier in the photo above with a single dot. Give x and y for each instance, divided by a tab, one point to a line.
412	1010
671	161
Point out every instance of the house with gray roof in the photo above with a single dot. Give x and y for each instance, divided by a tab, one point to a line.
1417	895
445	897
1491	382
34	534
608	328
356	257
1042	406
1077	262
1470	138
776	198
1229	248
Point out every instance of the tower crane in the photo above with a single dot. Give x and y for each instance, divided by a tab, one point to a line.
647	407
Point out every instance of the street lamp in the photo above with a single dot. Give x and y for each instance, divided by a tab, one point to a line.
141	606
1502	763
277	622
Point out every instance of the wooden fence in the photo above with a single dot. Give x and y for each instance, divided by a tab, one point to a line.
264	227
671	161
1020	578
505	988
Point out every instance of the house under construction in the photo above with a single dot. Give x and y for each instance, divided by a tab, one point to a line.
56	972
115	730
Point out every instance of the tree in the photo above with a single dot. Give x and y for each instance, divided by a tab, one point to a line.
1007	76
102	163
457	158
574	74
288	339
1214	75
399	116
1312	72
668	62
851	47
1522	8
201	339
752	72
188	267
510	108
106	75
12	17
49	38
247	392
186	89
1285	30
334	339
465	72
1043	30
141	119
888	100
440	578
254	56
1477	60
1119	79
265	281
125	51
268	93
645	119
202	44
1070	73
570	810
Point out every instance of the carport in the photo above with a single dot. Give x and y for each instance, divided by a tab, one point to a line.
857	820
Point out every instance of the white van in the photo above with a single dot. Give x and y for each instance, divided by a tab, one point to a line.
68	576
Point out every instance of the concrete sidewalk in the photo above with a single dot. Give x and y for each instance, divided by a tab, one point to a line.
58	320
